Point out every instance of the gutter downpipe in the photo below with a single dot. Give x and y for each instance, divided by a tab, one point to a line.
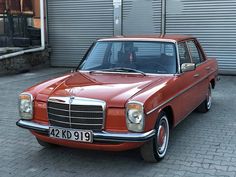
163	18
42	37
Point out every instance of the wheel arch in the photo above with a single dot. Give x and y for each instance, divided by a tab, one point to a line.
213	82
170	115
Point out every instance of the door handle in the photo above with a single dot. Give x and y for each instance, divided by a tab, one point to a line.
208	68
196	75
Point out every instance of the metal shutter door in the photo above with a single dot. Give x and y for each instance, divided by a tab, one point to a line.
73	25
213	22
141	17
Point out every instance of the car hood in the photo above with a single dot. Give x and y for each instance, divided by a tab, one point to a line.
113	88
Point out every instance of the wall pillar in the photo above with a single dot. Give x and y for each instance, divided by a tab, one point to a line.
117	5
163	17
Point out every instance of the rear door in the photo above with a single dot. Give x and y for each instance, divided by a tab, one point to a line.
200	74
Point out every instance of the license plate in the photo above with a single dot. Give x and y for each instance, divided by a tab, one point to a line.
71	134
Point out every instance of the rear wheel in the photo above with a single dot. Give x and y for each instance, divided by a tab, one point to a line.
155	149
205	106
45	144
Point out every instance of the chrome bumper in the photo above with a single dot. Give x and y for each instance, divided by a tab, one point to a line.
97	136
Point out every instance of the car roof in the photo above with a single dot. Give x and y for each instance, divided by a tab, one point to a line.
167	38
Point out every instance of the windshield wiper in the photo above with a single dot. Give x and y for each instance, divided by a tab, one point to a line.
121	69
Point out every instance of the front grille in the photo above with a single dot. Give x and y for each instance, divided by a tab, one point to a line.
76	113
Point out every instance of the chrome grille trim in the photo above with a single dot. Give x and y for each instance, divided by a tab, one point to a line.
73	123
86	118
73	110
76	111
75	117
58	115
57	109
70	101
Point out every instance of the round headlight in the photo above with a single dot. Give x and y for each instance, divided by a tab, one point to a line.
135	116
26	106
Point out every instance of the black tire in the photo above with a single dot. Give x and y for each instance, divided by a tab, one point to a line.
45	144
153	151
205	106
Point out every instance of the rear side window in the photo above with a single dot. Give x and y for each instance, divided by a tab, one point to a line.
183	53
195	54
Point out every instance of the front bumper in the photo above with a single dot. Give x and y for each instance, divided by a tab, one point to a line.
97	136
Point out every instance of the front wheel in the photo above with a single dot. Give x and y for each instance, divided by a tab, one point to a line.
155	149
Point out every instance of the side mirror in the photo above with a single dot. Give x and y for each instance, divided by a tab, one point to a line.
185	67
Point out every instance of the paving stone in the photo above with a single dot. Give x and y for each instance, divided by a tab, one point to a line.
226	173
203	145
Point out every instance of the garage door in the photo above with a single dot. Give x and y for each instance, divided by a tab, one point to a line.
141	17
213	22
73	25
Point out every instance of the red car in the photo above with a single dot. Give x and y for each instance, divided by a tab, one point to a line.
127	93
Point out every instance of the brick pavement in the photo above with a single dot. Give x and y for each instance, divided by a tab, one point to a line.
203	145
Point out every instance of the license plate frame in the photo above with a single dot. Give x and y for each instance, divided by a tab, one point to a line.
85	136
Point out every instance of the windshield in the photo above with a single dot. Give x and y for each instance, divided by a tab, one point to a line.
132	56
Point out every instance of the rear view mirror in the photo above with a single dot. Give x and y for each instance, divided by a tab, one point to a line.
185	67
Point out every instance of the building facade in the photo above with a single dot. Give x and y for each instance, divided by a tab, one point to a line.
73	25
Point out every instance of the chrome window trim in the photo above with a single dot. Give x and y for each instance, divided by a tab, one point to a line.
178	58
137	40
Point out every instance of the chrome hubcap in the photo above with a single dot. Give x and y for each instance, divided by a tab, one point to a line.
162	136
209	98
161	139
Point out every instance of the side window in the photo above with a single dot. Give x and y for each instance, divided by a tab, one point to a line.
183	53
196	57
201	55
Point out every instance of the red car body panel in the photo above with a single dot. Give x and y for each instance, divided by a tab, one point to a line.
155	91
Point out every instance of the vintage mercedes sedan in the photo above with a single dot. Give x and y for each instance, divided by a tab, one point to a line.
127	92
